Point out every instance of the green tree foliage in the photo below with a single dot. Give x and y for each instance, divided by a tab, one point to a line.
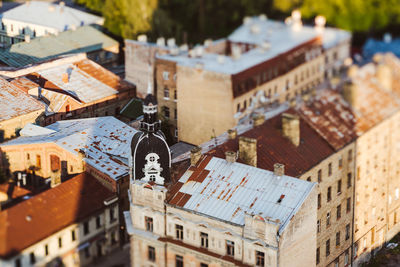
354	15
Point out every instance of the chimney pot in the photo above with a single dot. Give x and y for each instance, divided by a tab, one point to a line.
232	133
291	127
195	155
279	169
230	156
248	150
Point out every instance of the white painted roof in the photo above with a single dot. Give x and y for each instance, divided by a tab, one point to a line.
280	37
232	189
105	141
84	87
51	15
34	130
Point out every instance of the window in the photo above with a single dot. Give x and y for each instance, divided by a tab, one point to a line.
166	112
338	212
175	95
98	222
46	250
328	219
149	223
86	228
328	247
203	265
346	257
238	107
179	231
348	204
230	248
113	238
60	242
329	169
319	201
338	239
87	252
340	163
73	237
178	261
309	178
347	231
38	161
54	163
112	214
166	92
318	259
319	176
329	194
18	263
151	253
339	186
350	155
32	258
260	258
165	75
28	157
175	114
204	239
318	226
349	180
396	193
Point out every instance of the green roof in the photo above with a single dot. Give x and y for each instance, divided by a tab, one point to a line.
133	109
83	39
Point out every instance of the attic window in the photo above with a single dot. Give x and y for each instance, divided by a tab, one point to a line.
281	198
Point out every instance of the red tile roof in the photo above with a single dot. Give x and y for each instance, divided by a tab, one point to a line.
49	212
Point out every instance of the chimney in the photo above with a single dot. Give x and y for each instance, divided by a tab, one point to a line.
65	77
291	128
195	155
248	150
236	52
279	169
230	156
320	22
171	42
232	133
142	38
161	41
27	38
384	76
350	93
258	119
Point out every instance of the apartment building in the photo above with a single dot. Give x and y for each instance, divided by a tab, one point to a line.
36	18
261	63
50	155
17	110
72	224
73	87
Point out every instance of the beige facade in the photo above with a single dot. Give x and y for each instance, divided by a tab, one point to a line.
10	128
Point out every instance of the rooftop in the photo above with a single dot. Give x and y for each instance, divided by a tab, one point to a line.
44	214
15	102
105	141
373	46
229	191
51	15
84	39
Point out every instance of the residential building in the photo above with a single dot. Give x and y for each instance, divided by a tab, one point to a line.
87	39
73	87
51	154
72	224
218	213
261	63
37	18
17	110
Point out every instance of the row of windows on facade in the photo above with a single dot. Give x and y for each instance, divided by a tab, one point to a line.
167	94
22	31
230	245
260	257
272	73
328	245
336	261
166	76
86	231
329	190
55	164
338	215
167	114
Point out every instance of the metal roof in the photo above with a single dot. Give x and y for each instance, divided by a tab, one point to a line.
228	191
84	39
51	15
15	102
104	140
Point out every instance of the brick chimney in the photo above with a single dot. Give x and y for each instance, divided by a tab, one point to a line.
279	169
291	128
195	155
248	150
232	133
258	119
230	156
384	76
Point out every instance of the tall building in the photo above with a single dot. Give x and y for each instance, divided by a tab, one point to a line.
204	91
218	212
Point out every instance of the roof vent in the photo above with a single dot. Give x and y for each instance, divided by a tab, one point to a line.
221	59
279	169
230	156
161	41
195	155
171	42
142	38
